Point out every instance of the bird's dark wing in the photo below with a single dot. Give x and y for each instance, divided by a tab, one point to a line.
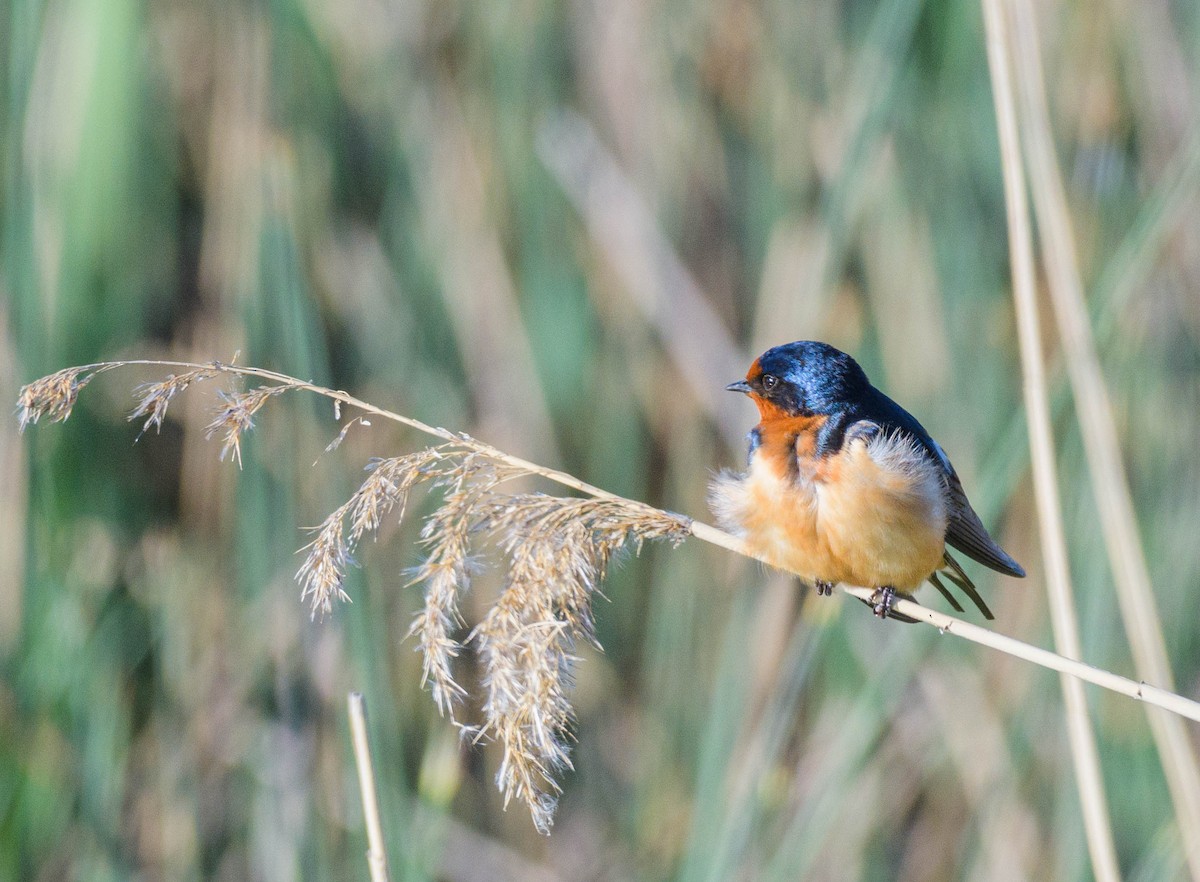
964	530
966	533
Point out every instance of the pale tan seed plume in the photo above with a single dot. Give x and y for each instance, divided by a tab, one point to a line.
556	550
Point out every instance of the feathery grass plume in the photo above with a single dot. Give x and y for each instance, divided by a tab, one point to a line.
558	552
154	398
386	488
237	416
52	396
446	572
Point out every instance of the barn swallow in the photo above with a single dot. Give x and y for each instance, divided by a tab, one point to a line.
844	485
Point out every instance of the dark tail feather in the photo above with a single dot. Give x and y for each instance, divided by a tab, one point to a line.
958	576
950	598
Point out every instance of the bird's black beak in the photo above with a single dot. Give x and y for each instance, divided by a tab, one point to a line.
739	386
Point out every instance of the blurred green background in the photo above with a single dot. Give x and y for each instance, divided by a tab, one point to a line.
562	228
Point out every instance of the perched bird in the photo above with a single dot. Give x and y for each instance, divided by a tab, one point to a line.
844	485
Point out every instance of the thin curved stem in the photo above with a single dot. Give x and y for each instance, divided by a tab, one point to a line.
709	534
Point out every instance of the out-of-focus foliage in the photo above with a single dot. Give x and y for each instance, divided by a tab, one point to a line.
560	227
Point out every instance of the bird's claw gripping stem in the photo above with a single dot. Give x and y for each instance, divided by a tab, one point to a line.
881	601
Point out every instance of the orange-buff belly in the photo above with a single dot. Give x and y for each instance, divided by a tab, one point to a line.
873	514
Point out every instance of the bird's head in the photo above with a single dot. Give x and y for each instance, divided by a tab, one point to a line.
802	379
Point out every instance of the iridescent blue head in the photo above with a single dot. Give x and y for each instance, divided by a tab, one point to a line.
802	379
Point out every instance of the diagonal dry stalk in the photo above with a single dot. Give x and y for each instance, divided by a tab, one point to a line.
557	550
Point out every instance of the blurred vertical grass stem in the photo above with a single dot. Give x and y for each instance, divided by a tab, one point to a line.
376	849
1096	820
1110	484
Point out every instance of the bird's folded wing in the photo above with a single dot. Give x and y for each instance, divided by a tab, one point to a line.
966	533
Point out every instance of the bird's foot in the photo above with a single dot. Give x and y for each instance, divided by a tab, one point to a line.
824	589
881	601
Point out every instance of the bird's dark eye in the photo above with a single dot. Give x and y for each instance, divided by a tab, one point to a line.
769	382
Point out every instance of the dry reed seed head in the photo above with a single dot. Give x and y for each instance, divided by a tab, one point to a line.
446	571
527	710
236	417
389	482
439	649
154	398
345	430
52	396
324	570
558	551
386	488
